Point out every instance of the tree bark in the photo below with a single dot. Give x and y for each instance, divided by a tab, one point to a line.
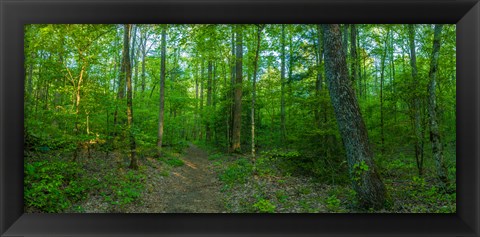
416	101
208	132
353	53
195	132
128	78
133	57
392	78
237	112
144	54
435	137
366	181
202	74
161	111
232	92
345	41
282	87
255	68
121	89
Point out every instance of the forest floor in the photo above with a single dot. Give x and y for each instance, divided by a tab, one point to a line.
190	188
197	178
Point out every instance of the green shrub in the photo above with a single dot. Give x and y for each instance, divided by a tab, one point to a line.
174	161
333	203
359	169
263	167
124	188
52	186
264	206
238	172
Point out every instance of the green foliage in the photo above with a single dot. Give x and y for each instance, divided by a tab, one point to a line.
62	61
333	203
120	190
170	156
264	206
359	169
174	161
286	161
52	186
237	173
418	182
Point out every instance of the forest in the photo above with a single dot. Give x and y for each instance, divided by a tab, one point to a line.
240	118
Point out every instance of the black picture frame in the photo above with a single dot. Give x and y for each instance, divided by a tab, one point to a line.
14	14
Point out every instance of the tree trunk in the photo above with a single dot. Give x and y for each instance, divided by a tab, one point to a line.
208	132
367	184
121	90
128	78
133	57
382	79
392	78
30	74
282	88
77	108
353	53
255	68
162	90
214	101
435	137
319	81
237	112
195	132
232	92
359	68
144	54
345	42
416	100
364	77
202	74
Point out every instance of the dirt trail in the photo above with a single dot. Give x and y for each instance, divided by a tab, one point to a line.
191	188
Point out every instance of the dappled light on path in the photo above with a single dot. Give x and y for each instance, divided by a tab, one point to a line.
190	188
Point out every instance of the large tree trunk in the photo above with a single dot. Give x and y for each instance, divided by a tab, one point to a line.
345	41
366	181
353	53
435	138
237	112
128	77
161	111
416	101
